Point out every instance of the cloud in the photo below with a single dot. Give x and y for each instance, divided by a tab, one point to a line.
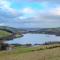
49	16
28	11
52	14
8	14
2	24
6	9
29	15
55	11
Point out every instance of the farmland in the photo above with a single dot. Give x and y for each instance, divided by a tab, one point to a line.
46	52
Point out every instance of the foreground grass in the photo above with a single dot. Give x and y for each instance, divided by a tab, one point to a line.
47	52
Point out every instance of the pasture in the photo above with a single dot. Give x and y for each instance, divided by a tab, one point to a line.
46	52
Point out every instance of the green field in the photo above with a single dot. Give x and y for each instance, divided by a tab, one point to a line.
47	52
4	33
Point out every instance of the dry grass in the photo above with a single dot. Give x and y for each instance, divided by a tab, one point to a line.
47	54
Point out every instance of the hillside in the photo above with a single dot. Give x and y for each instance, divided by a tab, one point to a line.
32	53
8	33
52	31
4	33
9	29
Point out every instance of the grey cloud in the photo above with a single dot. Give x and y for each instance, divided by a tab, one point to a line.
7	14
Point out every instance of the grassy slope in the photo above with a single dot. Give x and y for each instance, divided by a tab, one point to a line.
4	33
22	53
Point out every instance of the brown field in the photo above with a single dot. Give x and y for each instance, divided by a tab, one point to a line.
46	54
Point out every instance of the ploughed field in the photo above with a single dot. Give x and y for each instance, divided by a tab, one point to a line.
43	52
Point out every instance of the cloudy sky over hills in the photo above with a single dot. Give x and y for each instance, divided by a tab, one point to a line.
30	13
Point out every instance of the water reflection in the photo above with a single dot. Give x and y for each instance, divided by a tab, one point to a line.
35	38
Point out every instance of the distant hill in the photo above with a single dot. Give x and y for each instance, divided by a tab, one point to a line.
53	31
14	30
8	29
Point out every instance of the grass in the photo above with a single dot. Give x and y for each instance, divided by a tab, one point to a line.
18	35
46	52
4	33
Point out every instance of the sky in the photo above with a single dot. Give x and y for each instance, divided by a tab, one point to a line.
30	13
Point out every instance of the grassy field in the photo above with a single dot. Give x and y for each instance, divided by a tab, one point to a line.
47	52
4	33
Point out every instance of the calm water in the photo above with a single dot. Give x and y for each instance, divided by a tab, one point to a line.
35	38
